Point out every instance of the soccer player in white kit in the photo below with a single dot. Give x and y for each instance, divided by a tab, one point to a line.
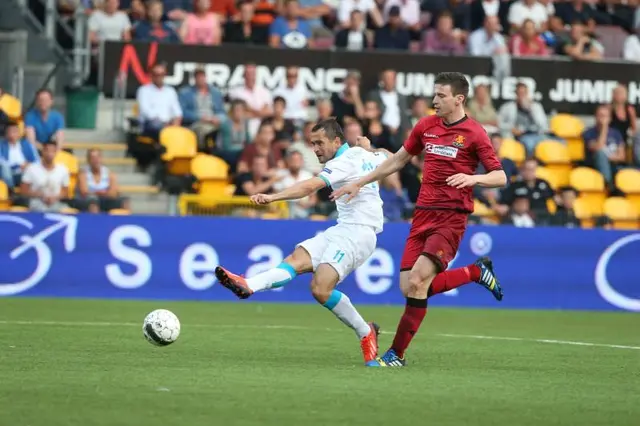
335	253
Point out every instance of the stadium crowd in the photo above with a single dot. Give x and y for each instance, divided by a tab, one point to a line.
262	135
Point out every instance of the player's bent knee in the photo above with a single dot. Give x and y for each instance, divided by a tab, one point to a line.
417	283
323	283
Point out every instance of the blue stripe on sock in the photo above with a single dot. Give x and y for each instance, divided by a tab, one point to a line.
289	269
333	300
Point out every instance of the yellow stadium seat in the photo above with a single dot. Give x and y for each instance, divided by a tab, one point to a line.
212	174
71	163
271	216
119	212
182	145
5	202
18	209
11	106
569	128
622	212
582	209
69	210
555	156
590	184
479	209
512	150
548	175
318	217
628	181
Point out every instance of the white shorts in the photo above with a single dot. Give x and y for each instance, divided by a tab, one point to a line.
345	247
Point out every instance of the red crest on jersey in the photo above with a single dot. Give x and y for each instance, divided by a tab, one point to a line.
458	141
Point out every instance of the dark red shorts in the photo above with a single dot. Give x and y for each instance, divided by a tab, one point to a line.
436	234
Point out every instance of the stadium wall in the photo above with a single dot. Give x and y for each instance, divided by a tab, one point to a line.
164	258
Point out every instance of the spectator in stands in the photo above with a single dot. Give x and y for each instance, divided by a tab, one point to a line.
409	14
353	37
348	105
153	28
201	26
324	109
16	153
46	184
604	222
44	124
579	45
203	108
262	146
491	196
480	9
294	173
137	12
520	214
537	190
290	31
604	145
580	10
367	7
481	109
305	148
528	42
284	129
459	9
315	11
225	9
444	38
487	41
234	134
419	109
631	49
177	10
258	98
296	97
393	35
265	12
158	104
621	14
378	133
392	104
353	130
259	180
528	10
524	119
97	185
246	31
109	24
623	114
565	215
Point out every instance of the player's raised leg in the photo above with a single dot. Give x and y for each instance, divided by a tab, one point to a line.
481	272
296	263
323	289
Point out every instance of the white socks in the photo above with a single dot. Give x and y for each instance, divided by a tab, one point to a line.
341	307
273	278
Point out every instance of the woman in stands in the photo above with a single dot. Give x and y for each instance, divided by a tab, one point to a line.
202	26
623	114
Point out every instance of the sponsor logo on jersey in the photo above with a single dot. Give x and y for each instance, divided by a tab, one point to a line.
443	151
430	135
458	141
325	170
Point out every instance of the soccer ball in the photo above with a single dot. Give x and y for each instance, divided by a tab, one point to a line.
161	327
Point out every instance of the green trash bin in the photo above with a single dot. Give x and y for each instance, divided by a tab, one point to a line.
82	107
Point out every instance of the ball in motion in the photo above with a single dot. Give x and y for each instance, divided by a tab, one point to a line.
161	327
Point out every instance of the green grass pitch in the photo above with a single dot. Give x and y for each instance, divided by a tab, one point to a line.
81	362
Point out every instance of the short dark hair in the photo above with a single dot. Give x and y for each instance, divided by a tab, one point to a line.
279	99
331	128
457	81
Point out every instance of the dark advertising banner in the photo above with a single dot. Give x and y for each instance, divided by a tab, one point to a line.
562	85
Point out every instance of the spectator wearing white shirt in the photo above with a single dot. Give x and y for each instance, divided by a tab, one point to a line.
523	10
409	13
367	7
294	173
354	37
109	25
631	50
487	41
158	107
257	98
46	184
393	105
296	96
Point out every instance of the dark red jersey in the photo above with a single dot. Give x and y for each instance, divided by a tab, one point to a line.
449	149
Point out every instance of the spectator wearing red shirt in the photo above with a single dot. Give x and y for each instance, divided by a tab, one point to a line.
528	42
443	38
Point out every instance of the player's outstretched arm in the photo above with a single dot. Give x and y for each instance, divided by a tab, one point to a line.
299	190
493	179
389	166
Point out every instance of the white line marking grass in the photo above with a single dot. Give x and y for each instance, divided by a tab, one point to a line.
294	327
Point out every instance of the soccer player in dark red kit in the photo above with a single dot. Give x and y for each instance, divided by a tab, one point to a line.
453	146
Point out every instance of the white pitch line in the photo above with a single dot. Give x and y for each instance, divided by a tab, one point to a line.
551	341
296	327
